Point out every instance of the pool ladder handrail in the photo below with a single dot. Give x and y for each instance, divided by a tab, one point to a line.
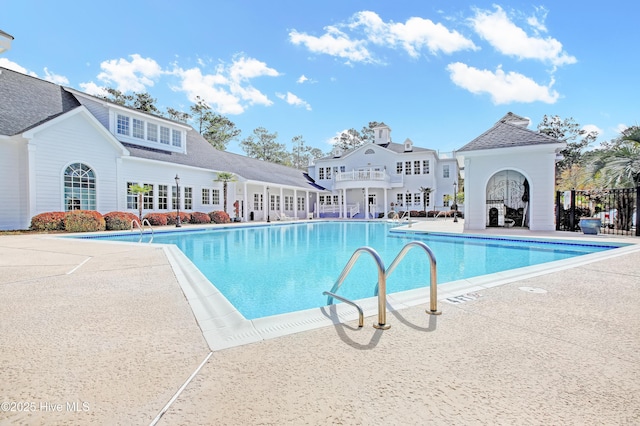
382	285
134	222
433	275
383	274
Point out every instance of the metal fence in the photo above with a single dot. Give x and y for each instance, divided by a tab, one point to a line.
617	210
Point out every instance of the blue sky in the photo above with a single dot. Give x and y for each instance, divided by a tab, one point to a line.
438	72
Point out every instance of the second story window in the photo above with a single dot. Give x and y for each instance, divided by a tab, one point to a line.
407	168
321	173
416	167
176	138
399	168
445	171
164	135
425	167
123	125
138	128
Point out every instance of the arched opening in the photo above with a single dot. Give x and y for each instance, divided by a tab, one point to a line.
79	187
507	199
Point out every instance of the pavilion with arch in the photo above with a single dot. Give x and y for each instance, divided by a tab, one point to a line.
509	177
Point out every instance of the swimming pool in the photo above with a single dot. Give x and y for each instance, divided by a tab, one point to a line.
276	269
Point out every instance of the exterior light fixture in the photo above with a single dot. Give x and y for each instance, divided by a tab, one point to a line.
268	206
455	203
178	222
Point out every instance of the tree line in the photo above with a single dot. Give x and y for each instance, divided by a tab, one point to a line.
614	164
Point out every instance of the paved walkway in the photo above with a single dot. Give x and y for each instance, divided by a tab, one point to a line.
101	333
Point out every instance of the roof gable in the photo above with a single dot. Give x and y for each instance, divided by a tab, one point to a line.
28	102
506	134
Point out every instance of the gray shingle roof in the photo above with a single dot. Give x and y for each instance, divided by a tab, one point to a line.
28	101
506	134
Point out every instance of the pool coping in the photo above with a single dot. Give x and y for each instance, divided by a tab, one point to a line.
223	326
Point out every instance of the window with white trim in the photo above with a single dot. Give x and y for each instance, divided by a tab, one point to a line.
147	197
301	203
288	202
321	173
152	132
188	198
407	167
425	167
257	201
215	196
328	172
176	137
416	167
445	171
163	197
138	128
174	197
399	168
164	135
79	187
275	202
132	199
206	196
122	125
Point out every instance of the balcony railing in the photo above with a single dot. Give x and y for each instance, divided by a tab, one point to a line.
362	175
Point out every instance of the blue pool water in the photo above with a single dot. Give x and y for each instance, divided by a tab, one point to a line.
269	270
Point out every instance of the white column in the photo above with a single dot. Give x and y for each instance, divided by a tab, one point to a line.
366	202
245	203
295	203
31	159
386	203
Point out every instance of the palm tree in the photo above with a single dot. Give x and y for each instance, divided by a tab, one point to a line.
620	167
140	190
425	191
225	178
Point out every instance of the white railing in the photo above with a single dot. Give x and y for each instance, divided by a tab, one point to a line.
359	175
354	210
329	208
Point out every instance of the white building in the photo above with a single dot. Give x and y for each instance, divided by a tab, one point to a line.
367	180
61	150
509	174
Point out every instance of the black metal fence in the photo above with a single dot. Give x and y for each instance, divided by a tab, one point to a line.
617	210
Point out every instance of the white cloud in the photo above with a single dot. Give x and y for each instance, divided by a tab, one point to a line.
416	33
509	39
228	90
536	22
55	78
334	43
292	99
93	89
503	87
4	62
589	128
412	36
243	69
621	128
134	75
304	79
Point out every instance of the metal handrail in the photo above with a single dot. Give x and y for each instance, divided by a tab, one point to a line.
348	302
382	284
433	279
140	227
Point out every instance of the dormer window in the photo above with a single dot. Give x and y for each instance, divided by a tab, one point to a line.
142	131
408	145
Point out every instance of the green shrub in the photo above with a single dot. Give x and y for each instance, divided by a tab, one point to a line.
84	221
119	221
219	217
156	219
50	221
199	217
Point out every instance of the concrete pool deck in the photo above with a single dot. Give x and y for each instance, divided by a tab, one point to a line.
102	333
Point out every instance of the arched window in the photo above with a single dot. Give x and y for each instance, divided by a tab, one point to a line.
369	151
79	187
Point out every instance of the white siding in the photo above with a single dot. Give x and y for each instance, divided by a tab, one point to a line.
69	141
13	172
